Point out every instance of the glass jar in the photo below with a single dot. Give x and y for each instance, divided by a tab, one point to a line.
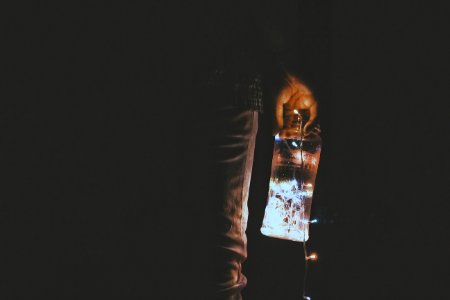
294	167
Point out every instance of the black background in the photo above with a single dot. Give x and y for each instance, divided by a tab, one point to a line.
92	95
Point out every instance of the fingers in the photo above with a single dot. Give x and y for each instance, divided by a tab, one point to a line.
295	95
282	98
289	133
306	105
312	116
298	86
302	101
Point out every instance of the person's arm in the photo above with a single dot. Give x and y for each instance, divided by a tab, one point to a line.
281	42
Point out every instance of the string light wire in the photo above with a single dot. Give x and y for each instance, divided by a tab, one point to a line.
305	251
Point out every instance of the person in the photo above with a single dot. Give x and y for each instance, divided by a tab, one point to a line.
242	68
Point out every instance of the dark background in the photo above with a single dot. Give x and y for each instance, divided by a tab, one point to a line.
89	138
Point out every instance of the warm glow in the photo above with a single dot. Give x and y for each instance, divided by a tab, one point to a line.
312	257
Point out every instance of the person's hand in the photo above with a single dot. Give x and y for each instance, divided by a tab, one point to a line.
293	98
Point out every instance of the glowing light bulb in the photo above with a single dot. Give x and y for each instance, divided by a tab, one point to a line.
306	297
312	257
313	221
299	155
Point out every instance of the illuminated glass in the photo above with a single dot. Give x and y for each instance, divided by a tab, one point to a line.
294	167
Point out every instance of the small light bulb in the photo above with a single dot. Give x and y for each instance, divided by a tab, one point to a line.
295	111
306	297
312	257
313	221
